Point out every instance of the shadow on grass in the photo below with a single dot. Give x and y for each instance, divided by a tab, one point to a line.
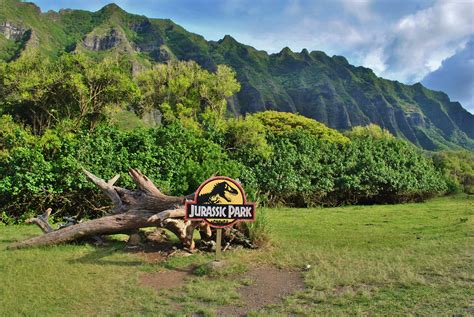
100	254
8	240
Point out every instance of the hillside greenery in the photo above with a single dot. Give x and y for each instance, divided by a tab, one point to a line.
41	93
458	167
57	118
184	91
312	84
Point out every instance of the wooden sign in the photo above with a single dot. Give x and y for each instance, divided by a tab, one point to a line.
220	201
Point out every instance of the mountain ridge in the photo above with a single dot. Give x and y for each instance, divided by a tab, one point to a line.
328	89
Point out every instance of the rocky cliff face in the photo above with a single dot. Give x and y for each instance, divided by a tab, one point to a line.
12	31
318	86
103	42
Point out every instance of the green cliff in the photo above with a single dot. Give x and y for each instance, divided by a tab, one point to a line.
313	84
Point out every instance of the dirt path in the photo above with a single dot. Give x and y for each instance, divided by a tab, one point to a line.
167	279
269	285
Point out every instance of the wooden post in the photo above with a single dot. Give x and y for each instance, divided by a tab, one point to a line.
218	244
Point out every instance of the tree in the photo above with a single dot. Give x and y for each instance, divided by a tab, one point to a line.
371	130
29	91
96	89
186	92
42	93
458	168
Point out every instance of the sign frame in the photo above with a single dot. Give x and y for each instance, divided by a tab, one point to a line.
236	220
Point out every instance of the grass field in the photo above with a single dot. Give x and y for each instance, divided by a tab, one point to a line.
412	259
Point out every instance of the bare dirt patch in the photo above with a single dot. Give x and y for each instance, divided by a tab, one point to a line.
268	286
167	279
155	248
151	253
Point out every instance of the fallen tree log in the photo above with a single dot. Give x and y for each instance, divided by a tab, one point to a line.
42	221
144	207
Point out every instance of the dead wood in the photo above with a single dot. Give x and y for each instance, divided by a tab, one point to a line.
143	207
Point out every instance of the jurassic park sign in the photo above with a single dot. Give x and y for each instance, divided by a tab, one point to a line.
220	201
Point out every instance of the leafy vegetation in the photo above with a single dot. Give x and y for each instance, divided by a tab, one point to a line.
377	260
458	167
58	115
184	91
294	168
369	131
44	171
281	122
41	93
313	84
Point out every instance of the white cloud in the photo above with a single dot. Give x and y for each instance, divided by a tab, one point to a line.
375	60
406	47
418	43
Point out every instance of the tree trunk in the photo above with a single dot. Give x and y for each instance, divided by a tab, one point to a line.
132	209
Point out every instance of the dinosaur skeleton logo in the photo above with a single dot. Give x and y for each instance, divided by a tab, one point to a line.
221	202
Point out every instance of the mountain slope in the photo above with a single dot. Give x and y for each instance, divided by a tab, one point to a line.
313	84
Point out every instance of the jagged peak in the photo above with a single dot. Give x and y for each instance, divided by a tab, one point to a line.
286	51
228	39
31	5
111	8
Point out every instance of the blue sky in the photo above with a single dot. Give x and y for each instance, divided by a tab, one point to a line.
428	41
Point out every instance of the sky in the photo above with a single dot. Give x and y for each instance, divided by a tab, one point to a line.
427	41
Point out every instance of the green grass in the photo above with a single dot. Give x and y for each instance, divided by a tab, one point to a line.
412	259
127	120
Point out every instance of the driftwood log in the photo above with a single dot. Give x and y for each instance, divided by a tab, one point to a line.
144	207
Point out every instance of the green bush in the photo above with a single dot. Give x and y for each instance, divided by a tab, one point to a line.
280	122
385	170
458	168
304	170
37	174
295	167
297	172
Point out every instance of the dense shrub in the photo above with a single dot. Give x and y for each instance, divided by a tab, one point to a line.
304	170
298	172
292	167
458	168
280	122
40	172
385	170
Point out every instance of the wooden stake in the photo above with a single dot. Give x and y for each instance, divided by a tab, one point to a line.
218	244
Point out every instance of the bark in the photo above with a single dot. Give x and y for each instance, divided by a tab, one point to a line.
144	207
42	221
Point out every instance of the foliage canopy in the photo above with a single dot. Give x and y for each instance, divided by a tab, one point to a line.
57	117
